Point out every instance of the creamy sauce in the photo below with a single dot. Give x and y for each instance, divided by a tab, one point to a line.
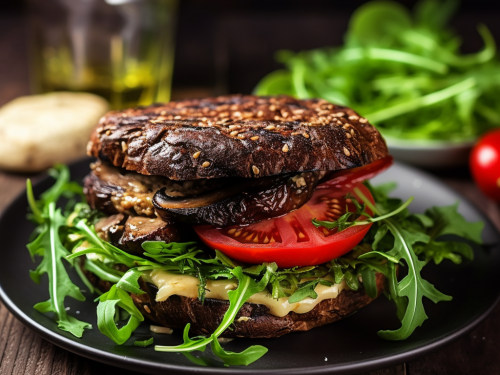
169	284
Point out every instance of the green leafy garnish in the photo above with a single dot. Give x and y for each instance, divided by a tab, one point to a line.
399	236
247	287
107	310
342	223
404	72
246	357
144	343
413	286
447	221
48	245
306	290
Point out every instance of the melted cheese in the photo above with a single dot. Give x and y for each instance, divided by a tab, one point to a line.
169	284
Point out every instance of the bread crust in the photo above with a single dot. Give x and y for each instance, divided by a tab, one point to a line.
243	136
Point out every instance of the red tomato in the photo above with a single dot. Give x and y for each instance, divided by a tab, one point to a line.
355	175
485	164
292	240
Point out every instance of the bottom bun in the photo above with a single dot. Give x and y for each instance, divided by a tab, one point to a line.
252	321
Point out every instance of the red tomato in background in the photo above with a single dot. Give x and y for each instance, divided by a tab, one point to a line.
485	164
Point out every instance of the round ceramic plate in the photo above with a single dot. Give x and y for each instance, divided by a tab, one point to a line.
348	346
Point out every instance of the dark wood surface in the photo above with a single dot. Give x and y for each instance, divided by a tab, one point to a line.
24	352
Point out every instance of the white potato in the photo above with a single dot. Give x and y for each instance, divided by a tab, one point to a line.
40	130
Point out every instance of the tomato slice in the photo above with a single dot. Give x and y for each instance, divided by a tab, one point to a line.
350	177
292	240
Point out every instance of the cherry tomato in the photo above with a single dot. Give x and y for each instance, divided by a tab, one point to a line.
355	175
292	240
485	164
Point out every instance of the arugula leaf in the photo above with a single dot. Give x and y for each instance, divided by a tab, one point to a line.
202	286
369	281
306	290
246	357
48	245
447	220
225	260
351	280
401	302
106	312
413	286
410	236
102	271
144	343
129	281
338	273
434	15
247	287
365	27
342	223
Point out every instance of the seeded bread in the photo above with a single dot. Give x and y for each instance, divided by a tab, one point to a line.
244	136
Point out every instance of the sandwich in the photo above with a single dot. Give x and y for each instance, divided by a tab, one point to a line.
245	216
242	173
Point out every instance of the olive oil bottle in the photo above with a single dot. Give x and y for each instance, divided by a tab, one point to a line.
121	50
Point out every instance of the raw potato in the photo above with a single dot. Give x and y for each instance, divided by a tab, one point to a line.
40	130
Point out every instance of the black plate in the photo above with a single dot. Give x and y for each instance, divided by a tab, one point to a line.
351	345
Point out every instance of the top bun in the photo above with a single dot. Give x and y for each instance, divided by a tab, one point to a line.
240	136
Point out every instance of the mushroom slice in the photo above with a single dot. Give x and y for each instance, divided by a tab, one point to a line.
138	230
244	203
115	190
129	233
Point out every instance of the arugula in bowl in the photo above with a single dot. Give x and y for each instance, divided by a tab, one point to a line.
404	72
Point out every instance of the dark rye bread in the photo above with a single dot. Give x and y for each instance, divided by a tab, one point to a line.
245	136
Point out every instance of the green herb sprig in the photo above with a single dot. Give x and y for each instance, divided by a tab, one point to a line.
48	245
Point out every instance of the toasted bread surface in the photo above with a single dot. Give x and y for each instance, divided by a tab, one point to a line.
240	136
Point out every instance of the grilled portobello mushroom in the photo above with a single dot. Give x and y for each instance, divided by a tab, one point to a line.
220	202
248	202
129	233
115	190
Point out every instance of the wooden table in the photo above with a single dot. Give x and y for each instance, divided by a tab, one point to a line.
24	352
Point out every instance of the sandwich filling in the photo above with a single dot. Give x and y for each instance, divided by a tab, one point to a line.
170	284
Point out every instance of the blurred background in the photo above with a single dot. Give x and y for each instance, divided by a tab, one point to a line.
425	73
228	46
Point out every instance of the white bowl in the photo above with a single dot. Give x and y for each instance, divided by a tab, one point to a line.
430	153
